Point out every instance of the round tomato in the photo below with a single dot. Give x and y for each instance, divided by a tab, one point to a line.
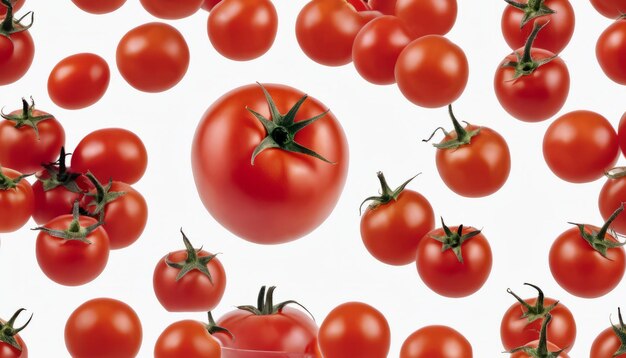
11	344
427	17
208	5
153	57
387	7
621	134
111	154
376	49
611	342
17	4
532	84
580	146
103	327
189	339
610	8
520	16
395	222
523	320
99	6
611	197
436	341
29	138
270	327
293	166
22	51
432	71
171	10
189	280
611	51
242	30
354	329
16	200
78	81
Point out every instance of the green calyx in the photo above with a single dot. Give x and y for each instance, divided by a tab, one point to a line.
454	240
7	183
598	239
386	194
8	332
463	135
620	332
525	64
11	25
26	118
542	347
213	328
616	173
532	9
74	232
538	311
193	261
265	304
281	129
102	196
58	175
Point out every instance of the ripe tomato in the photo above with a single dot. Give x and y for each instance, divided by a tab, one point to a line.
395	222
520	16
21	56
326	30
611	197
541	347
189	280
269	327
523	320
427	17
103	327
17	4
611	51
376	49
436	341
242	30
281	172
29	138
472	161
432	71
208	5
360	5
580	146
532	84
111	153
387	7
6	49
99	7
189	339
610	8
354	329
611	342
153	57
16	200
171	10
11	344
78	81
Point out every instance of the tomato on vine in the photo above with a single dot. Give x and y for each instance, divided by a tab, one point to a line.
11	344
18	48
16	200
611	342
541	347
190	339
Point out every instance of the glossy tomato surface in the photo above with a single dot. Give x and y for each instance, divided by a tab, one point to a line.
8	351
78	81
621	134
188	339
387	7
21	57
436	341
99	7
610	8
16	203
606	345
611	51
171	10
427	17
208	5
612	195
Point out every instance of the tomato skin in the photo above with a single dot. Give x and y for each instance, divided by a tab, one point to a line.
171	10
387	7
427	17
436	341
289	185
208	5
99	7
153	57
78	81
612	194
16	204
426	80
189	339
605	345
7	351
551	348
111	153
103	327
621	134
376	49
16	66
360	5
610	8
554	37
611	51
58	201
6	49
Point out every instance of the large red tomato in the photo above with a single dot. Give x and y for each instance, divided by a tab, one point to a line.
282	159
610	8
541	347
427	17
189	339
189	280
11	344
99	7
16	200
171	10
611	51
78	81
611	342
436	341
19	50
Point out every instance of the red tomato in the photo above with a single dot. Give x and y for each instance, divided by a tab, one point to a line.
518	21
78	81
6	49
189	280
387	7
611	197
11	344
171	10
270	327
99	7
432	71
16	200
111	153
395	222
376	49
621	134
427	17
354	329
610	8
103	327
242	30
208	5
532	84
29	138
611	51
326	30
360	5
436	341
580	146
281	172
523	320
189	339
17	64
153	57
611	341
17	4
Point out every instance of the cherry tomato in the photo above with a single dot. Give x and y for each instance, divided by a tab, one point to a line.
6	49
16	200
189	339
99	7
153	57
621	134
171	10
103	327
427	17
387	7
432	71
111	153
11	344
296	177
29	138
580	146
541	347
395	222
208	5
189	280
611	197
611	51
523	320
436	341
17	4
21	56
376	49
78	81
610	8
611	341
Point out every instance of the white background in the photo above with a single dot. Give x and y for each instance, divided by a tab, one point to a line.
329	266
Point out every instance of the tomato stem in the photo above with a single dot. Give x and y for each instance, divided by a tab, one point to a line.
75	231
542	347
192	262
532	9
8	332
265	304
7	183
213	328
461	137
538	311
10	25
454	240
525	64
598	240
386	194
58	175
620	332
27	117
616	173
102	196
